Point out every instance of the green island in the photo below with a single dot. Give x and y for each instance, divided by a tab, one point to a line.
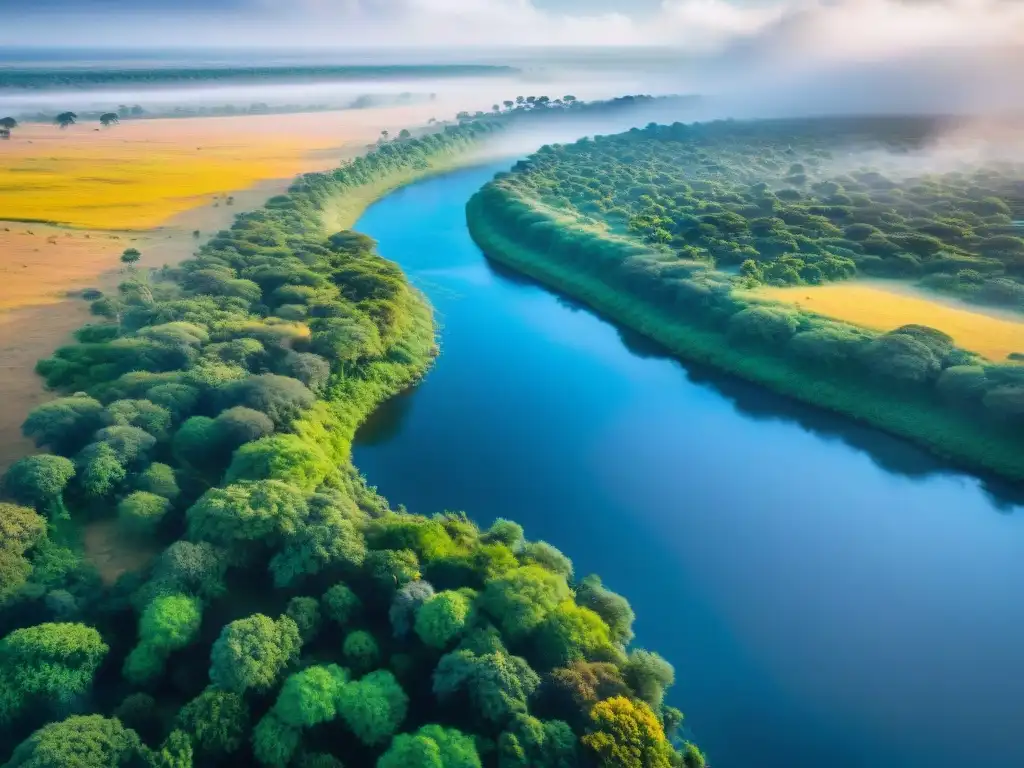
289	616
672	229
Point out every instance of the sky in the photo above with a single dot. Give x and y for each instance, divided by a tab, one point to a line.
852	28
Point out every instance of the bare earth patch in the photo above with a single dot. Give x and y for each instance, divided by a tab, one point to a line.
112	552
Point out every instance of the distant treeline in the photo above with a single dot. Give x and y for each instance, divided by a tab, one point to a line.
39	78
292	617
635	223
137	112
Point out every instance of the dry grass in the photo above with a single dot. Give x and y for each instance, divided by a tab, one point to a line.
41	264
884	305
141	174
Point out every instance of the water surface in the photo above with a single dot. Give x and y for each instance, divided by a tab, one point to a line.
830	597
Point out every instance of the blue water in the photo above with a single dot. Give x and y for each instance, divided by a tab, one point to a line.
829	597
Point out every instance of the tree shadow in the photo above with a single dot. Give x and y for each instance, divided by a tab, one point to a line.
893	454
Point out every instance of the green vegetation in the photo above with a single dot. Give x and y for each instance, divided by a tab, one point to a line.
636	224
291	617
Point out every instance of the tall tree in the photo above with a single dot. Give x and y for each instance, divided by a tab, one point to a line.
109	119
64	119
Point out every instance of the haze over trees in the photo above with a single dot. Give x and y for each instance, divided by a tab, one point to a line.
663	226
65	119
291	617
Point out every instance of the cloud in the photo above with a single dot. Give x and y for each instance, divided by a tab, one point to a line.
794	29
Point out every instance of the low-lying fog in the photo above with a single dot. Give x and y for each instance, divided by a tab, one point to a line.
452	93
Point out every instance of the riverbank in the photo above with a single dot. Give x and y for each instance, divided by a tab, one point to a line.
232	386
940	430
47	265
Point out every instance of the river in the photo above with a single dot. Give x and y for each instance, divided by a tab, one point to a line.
830	597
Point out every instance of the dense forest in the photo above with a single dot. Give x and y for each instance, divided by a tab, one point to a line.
92	77
791	201
290	617
659	227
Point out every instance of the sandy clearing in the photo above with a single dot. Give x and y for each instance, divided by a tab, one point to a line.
884	305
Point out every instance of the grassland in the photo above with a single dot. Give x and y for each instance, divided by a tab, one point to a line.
885	305
141	174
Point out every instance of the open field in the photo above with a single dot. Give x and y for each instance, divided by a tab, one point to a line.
164	191
884	305
140	174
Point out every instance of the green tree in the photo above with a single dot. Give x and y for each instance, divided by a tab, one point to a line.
391	569
9	123
239	515
187	567
342	605
373	708
432	746
253	653
40	481
570	633
168	624
99	471
82	741
217	721
613	608
158	479
532	743
310	697
442	619
305	612
274	742
141	512
288	458
108	119
197	444
522	598
281	398
497	685
361	651
64	425
329	542
150	417
649	675
52	662
21	529
405	604
65	119
175	752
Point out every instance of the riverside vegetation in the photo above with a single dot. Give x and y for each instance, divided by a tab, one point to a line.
292	617
666	227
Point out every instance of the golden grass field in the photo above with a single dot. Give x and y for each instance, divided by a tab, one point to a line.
884	305
141	173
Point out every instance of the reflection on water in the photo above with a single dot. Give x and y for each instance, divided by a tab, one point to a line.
829	596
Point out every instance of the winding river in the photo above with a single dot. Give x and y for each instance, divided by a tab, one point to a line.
830	598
